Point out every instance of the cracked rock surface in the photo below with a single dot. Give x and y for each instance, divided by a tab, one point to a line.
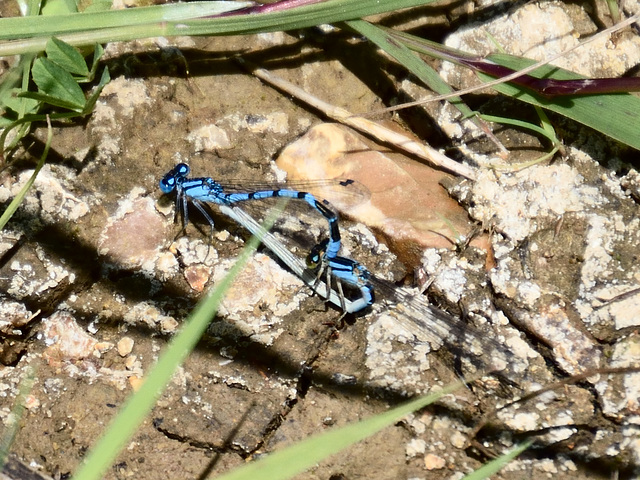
94	281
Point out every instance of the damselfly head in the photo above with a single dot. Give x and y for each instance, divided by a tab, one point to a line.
174	177
316	255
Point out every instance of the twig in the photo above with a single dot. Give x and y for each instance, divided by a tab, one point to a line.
364	125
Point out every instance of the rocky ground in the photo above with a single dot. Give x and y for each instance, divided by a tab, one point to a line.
93	282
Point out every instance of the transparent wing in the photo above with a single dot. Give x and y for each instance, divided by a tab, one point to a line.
433	325
295	263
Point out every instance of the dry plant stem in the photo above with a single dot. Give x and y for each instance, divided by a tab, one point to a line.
553	386
364	125
510	77
618	298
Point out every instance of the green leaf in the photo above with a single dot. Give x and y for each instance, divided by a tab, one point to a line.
57	85
91	101
51	100
98	51
11	100
58	7
67	57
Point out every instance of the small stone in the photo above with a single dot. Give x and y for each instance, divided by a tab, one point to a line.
132	362
407	202
125	346
135	234
168	325
197	276
102	347
415	447
458	440
31	402
434	462
135	382
65	340
209	138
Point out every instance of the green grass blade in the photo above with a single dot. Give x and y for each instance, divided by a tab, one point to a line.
616	115
47	26
297	458
547	126
124	425
331	11
520	124
494	466
408	59
13	423
15	203
385	39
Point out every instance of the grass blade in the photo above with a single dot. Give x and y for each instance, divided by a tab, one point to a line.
46	26
408	59
123	426
295	459
494	466
383	38
615	115
99	31
15	203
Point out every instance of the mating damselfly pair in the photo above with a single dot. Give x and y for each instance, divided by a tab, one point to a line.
324	269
